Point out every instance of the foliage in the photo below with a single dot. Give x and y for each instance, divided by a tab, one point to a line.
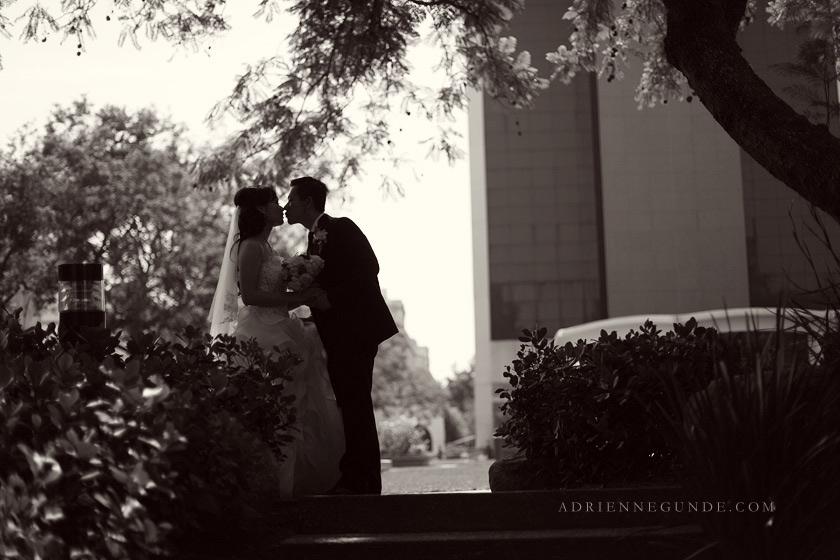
351	57
109	452
455	424
461	389
763	436
815	62
824	267
112	187
588	412
400	385
20	216
345	70
767	431
400	436
460	412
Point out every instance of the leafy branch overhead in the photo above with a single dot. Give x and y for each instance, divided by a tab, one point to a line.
817	65
347	56
323	106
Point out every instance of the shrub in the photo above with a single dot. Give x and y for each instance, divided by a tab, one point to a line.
767	431
765	436
588	413
400	436
109	452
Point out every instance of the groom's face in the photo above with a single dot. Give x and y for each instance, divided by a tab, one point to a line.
295	207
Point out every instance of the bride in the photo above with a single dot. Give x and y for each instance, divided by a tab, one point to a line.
251	268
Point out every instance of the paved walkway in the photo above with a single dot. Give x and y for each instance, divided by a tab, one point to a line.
449	475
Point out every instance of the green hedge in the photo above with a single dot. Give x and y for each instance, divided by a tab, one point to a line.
400	436
590	412
124	452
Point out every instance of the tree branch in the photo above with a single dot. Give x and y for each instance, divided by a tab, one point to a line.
449	3
700	42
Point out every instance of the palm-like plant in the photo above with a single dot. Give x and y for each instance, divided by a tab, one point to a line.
816	64
766	432
762	443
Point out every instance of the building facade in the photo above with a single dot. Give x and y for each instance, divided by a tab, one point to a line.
586	207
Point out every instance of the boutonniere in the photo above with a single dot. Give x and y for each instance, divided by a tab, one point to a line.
320	237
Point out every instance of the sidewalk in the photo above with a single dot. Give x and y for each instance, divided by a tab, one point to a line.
447	475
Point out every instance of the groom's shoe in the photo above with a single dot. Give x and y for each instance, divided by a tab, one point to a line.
343	488
375	484
341	491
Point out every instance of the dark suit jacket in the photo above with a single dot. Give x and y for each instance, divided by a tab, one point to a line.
359	313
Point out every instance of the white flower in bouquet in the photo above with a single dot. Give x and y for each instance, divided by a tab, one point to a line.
313	265
299	272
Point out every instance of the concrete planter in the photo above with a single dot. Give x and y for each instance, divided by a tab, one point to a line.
413	460
515	475
501	451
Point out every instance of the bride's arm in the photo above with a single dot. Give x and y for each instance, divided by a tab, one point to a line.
250	262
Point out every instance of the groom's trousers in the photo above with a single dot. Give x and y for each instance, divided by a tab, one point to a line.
351	373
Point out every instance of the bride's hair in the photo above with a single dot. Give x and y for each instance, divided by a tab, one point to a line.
251	219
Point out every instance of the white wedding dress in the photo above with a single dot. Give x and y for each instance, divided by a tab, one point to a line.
311	463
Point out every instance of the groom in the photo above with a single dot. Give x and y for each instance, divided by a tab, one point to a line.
352	319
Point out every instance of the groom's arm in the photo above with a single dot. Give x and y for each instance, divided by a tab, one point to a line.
357	264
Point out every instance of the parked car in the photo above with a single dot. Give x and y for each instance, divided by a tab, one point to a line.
736	320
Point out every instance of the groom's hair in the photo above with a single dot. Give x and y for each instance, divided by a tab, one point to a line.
309	187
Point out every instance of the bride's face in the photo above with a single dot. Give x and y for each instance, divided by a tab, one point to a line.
274	214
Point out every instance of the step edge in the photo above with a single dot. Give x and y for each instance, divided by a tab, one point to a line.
488	536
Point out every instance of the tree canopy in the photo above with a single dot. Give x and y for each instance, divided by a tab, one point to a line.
400	387
460	414
347	54
112	187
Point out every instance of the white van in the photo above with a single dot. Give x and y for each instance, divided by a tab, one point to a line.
736	320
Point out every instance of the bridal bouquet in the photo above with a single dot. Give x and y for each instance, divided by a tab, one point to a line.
300	271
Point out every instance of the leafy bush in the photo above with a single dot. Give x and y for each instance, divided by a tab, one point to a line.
588	413
109	452
400	436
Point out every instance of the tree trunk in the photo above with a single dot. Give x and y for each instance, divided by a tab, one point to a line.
701	43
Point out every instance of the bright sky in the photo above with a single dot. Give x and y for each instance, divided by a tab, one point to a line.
423	240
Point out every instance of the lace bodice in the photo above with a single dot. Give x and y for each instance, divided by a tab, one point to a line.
270	281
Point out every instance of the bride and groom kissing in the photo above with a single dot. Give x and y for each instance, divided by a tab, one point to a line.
336	447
